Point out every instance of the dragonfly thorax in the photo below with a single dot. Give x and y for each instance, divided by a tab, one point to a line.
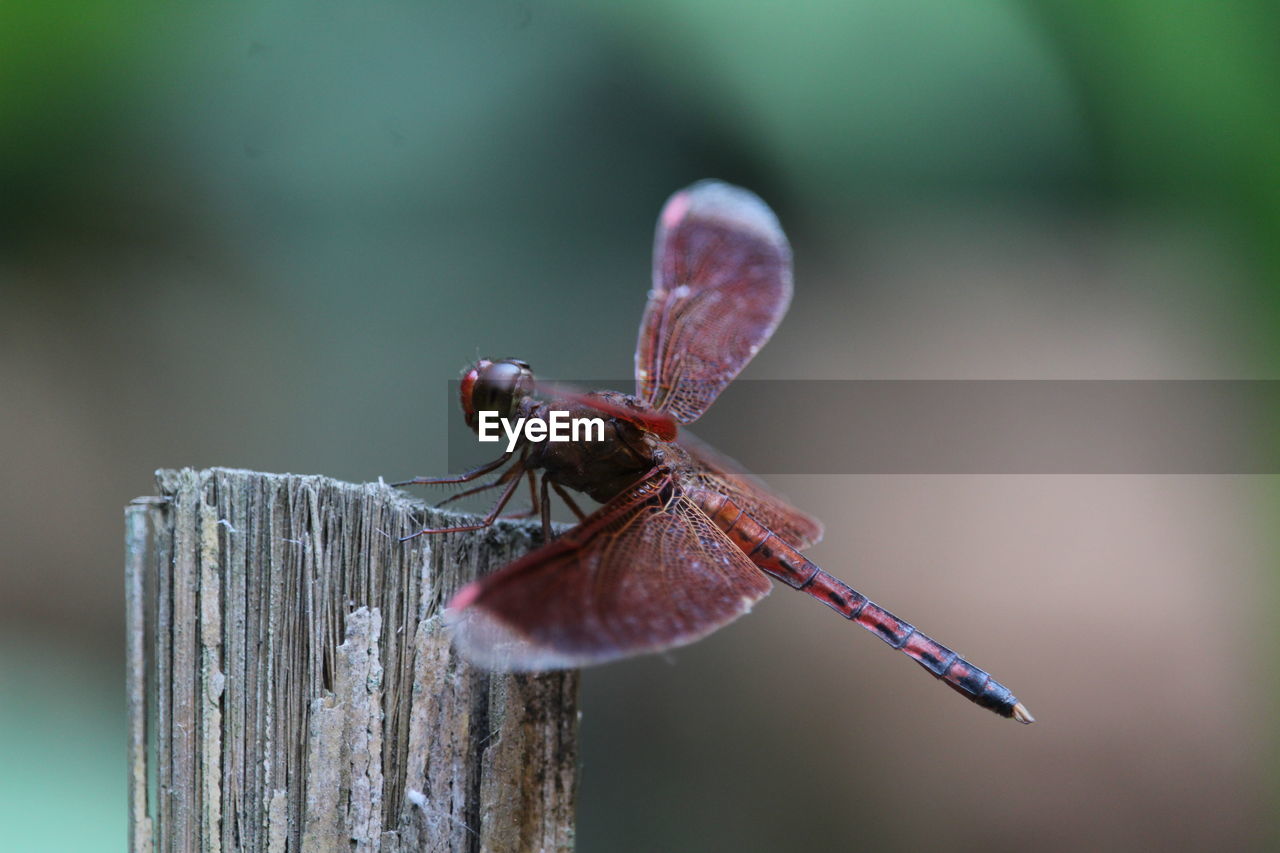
601	467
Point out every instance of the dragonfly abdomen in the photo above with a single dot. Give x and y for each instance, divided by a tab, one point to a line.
781	560
940	661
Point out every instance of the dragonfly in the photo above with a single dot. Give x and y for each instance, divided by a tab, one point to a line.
685	539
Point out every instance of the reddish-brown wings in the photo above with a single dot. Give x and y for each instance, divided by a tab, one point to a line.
659	423
646	571
719	473
721	283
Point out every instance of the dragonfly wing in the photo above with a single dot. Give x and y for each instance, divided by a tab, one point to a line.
658	423
720	473
721	284
645	572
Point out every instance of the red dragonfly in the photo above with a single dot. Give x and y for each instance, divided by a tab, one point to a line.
686	540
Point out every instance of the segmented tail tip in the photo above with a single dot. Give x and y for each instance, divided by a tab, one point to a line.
1022	715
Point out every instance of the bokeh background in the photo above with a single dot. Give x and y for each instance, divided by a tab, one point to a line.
265	235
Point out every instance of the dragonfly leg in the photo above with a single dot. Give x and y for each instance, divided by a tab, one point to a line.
533	490
564	496
546	509
475	490
500	480
502	501
533	498
474	474
534	506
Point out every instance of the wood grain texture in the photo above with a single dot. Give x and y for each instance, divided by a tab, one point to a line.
291	685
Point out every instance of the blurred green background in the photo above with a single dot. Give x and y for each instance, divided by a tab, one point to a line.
265	235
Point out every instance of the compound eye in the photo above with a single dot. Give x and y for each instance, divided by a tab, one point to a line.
496	386
503	374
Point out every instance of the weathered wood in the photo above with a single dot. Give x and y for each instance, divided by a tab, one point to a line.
291	684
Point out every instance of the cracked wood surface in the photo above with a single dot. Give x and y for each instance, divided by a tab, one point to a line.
291	686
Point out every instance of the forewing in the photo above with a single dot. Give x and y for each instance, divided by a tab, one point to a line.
641	574
721	284
658	423
718	472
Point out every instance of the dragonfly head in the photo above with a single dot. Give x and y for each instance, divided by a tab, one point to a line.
495	386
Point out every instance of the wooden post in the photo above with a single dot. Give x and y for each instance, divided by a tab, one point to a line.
291	685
